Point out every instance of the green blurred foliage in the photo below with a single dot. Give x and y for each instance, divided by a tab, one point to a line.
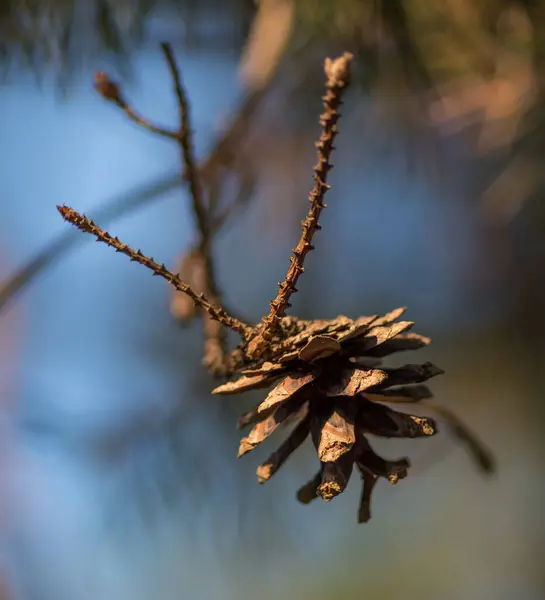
61	35
445	39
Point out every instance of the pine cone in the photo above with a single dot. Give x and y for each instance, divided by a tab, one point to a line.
328	375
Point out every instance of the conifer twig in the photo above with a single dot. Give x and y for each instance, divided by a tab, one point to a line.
219	158
110	91
184	136
215	338
337	78
136	118
215	312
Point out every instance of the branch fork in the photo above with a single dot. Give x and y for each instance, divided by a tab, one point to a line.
325	375
256	341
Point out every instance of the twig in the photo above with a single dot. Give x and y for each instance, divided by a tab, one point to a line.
223	152
219	158
186	146
110	91
337	74
215	338
149	126
215	312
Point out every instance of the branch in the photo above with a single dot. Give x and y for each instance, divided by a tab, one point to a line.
110	91
149	126
224	149
220	157
186	146
215	312
215	338
337	74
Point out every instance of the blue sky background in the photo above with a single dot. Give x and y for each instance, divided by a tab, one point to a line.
167	517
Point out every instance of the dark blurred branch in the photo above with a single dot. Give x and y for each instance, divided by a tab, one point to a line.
149	126
223	152
223	214
269	35
54	250
481	455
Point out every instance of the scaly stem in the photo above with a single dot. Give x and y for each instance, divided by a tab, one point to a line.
337	77
215	312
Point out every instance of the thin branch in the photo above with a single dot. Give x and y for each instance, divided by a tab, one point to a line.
215	338
219	157
224	150
215	312
111	91
239	202
136	118
337	78
191	171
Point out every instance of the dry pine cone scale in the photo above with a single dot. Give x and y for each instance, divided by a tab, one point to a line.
328	375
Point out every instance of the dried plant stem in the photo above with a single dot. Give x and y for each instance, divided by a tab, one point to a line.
219	159
214	334
215	312
215	337
111	91
136	118
337	74
186	145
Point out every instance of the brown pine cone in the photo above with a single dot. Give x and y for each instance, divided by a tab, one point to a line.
328	374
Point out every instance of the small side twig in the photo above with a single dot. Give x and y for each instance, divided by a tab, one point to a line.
337	78
134	116
215	312
110	91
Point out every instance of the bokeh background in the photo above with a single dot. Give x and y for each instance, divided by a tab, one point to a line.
118	474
